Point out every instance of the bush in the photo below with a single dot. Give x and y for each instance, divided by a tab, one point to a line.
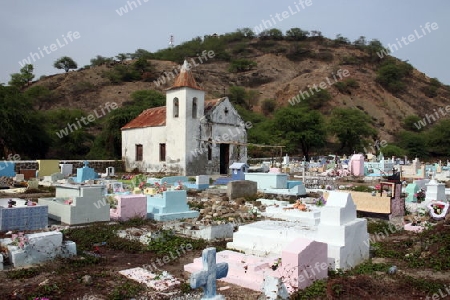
391	75
430	91
268	106
241	65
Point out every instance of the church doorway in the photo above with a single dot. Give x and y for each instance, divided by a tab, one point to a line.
224	158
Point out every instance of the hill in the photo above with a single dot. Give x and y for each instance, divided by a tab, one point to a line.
261	74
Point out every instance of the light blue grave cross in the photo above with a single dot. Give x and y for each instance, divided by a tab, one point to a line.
210	273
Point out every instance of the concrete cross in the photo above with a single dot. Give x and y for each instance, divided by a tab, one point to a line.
210	273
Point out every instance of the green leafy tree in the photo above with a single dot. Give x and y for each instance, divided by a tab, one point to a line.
122	57
300	128
70	137
39	95
296	34
351	127
376	50
360	42
21	126
438	138
141	53
268	106
65	63
392	150
409	123
391	75
241	65
19	80
340	40
100	60
415	144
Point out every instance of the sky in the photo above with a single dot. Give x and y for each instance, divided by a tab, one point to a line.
43	31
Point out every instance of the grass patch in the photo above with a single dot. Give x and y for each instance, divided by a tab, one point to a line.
317	290
23	273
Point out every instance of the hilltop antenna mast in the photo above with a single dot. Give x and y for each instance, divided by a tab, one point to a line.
171	41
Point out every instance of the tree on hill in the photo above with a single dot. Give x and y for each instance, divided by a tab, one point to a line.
351	126
65	63
122	57
22	127
19	80
100	60
409	123
296	34
300	128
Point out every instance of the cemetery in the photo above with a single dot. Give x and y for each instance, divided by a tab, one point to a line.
275	234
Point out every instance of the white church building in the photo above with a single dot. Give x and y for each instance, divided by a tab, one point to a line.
188	136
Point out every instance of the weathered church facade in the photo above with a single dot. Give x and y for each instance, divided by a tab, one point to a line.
189	135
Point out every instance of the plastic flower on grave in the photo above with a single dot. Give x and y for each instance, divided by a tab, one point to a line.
437	208
19	240
179	186
420	195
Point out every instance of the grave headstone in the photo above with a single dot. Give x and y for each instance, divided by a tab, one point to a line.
206	278
411	191
66	169
435	191
85	173
238	171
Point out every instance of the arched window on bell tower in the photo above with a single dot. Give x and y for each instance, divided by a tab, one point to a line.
176	108
194	108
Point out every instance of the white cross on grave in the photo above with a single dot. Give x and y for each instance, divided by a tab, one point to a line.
211	272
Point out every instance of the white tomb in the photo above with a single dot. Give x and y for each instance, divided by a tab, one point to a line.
435	191
37	247
345	234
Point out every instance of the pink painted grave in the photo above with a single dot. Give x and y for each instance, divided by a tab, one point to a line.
302	262
129	206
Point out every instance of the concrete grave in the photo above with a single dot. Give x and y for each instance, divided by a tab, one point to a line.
338	227
170	205
66	169
268	180
19	177
78	204
282	210
35	248
47	167
411	191
301	263
304	261
241	188
85	173
435	191
159	282
129	206
21	216
212	271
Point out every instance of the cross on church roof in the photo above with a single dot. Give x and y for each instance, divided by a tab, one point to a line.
211	272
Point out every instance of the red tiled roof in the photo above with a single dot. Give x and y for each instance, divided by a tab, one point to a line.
185	79
152	117
156	116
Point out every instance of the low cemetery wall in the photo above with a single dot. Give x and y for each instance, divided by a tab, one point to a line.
98	165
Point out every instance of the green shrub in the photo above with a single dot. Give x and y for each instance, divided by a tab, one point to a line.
241	65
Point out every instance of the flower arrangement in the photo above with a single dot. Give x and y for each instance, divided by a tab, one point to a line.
438	208
112	201
19	240
321	201
420	195
160	187
179	186
254	212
